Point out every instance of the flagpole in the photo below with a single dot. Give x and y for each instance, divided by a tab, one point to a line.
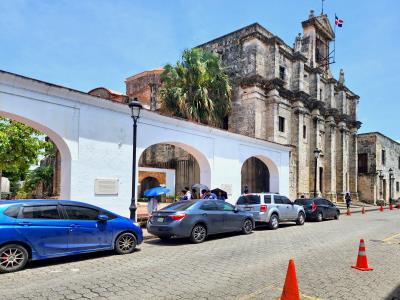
334	42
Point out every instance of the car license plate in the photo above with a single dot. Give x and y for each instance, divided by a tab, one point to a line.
160	219
247	208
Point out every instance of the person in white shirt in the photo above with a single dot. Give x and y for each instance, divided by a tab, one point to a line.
188	193
152	205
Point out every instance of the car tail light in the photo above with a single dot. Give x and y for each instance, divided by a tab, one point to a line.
313	207
263	208
177	217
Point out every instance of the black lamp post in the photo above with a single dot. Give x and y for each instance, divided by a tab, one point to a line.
135	107
390	184
317	152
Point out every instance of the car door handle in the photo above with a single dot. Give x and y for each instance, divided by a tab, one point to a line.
74	225
204	215
25	223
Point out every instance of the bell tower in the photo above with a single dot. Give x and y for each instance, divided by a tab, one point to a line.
317	35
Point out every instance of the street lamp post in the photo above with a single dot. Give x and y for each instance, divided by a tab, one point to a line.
390	184
317	152
135	107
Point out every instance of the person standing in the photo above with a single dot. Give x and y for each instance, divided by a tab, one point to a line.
188	193
194	194
246	189
183	196
220	196
152	206
348	200
209	195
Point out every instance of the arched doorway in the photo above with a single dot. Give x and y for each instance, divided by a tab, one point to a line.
60	161
171	165
148	183
256	175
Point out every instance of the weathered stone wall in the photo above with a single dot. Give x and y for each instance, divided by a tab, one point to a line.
374	184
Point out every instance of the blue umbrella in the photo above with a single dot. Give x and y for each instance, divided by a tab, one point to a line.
156	191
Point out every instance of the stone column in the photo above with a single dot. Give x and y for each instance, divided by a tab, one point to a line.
353	164
316	142
330	160
341	161
301	151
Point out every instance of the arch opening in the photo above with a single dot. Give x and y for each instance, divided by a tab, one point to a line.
255	175
60	161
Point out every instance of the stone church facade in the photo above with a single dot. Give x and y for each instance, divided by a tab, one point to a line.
288	95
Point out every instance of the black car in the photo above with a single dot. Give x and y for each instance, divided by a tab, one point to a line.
319	209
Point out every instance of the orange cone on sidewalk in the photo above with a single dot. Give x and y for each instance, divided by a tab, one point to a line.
398	205
291	288
391	206
348	212
362	263
363	210
381	208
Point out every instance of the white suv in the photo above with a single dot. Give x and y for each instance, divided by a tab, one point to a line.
271	208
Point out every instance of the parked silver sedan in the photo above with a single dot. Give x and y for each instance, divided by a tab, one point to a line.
196	219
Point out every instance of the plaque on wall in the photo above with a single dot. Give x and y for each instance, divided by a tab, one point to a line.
106	186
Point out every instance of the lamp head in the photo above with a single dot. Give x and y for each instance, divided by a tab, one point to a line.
135	107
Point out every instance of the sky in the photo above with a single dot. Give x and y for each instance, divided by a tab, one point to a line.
83	44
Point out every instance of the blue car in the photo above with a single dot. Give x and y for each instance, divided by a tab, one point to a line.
40	229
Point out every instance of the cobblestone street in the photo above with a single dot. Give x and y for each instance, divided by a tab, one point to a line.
231	266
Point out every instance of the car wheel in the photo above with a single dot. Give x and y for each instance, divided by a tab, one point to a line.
336	217
301	219
320	217
247	226
13	258
198	234
125	243
273	222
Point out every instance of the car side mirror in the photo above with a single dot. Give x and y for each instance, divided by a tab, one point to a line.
236	210
103	218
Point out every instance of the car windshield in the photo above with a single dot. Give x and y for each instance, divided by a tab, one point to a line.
303	201
248	199
181	205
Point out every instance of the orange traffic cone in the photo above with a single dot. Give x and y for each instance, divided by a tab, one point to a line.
291	288
391	206
362	263
381	208
363	210
398	205
348	212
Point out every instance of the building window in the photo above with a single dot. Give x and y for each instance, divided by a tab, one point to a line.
282	73
399	162
363	163
383	157
304	131
320	95
281	124
397	186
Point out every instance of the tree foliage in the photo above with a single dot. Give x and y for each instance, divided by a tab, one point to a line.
196	88
20	147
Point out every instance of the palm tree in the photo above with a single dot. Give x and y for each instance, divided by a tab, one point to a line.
196	88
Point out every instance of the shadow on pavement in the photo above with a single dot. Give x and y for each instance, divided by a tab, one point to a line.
395	294
183	241
68	259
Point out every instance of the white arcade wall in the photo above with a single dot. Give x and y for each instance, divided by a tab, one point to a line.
94	137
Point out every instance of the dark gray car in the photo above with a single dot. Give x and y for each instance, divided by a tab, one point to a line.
196	219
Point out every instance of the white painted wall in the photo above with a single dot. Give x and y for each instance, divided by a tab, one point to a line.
95	140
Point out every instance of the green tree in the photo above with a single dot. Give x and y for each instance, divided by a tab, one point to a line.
20	147
196	88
